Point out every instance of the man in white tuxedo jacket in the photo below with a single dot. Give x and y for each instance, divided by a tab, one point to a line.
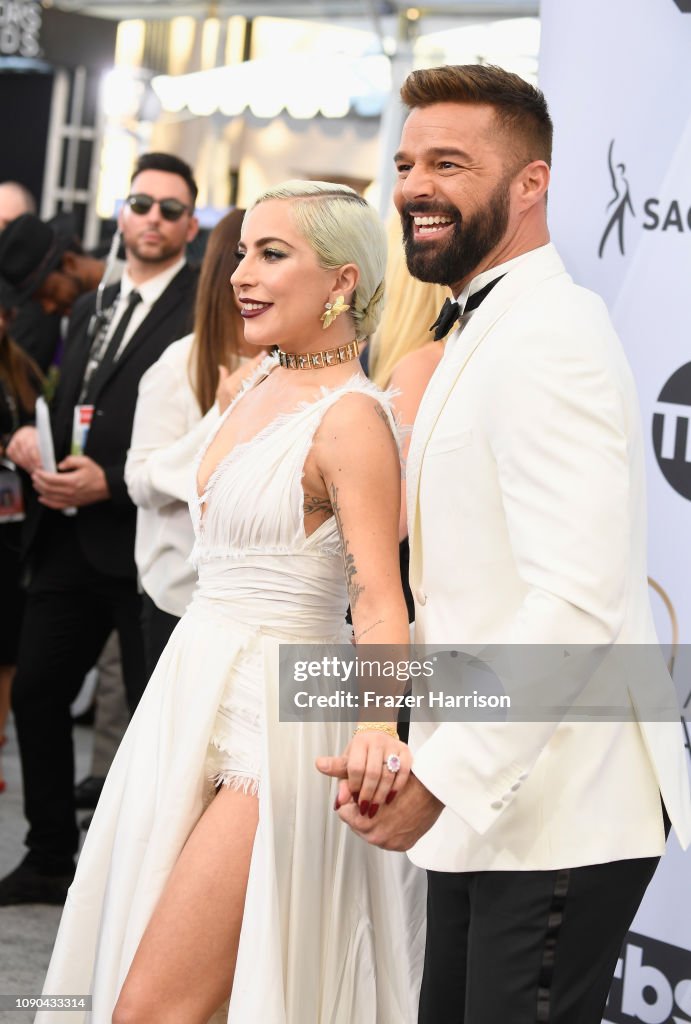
527	525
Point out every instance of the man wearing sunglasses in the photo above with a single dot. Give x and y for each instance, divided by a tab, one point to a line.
83	575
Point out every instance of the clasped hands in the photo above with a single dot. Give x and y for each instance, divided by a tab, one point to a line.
81	481
386	809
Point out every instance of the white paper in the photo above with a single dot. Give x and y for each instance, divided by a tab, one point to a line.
45	436
45	443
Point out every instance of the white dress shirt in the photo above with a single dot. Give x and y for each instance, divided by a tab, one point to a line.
150	292
167	433
492	274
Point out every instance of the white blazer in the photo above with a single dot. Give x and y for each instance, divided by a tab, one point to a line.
527	525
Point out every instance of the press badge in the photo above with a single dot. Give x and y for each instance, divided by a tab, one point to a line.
11	496
81	423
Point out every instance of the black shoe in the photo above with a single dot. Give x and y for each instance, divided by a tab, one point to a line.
87	792
27	885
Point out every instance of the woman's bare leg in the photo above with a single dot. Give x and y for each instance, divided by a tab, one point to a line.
184	966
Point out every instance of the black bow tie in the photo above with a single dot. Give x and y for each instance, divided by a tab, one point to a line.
451	312
448	315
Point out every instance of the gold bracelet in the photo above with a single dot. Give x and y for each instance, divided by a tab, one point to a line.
386	727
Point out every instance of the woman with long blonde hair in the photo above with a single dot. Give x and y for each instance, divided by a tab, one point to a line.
411	306
404	357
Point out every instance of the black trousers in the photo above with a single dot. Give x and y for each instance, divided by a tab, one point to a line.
527	947
157	626
71	609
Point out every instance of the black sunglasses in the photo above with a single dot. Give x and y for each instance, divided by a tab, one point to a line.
171	209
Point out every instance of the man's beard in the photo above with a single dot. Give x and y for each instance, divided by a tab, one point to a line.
471	241
160	253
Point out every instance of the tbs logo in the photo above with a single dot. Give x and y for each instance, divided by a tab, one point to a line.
672	431
652	984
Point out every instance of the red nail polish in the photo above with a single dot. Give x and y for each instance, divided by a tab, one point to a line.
337	804
373	810
364	807
390	797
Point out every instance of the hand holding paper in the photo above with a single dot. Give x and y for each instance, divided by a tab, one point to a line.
80	482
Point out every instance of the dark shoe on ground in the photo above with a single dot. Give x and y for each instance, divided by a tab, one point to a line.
87	792
28	885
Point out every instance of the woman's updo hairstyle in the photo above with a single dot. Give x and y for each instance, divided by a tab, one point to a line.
342	228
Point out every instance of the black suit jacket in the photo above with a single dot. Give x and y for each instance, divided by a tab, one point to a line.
106	529
38	333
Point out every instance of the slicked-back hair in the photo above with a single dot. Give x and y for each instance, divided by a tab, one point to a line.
169	163
521	109
342	228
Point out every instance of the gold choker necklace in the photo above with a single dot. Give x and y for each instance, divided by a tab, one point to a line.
317	360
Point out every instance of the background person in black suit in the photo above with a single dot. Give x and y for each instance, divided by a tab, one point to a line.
83	576
35	328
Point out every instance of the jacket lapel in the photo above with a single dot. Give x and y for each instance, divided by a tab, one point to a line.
542	264
82	338
174	294
74	362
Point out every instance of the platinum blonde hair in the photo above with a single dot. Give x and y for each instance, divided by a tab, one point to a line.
341	228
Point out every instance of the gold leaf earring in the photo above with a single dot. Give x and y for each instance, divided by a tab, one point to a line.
333	309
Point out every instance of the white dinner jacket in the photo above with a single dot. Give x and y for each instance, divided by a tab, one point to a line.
527	525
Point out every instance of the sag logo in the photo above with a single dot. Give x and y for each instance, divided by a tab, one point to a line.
652	984
668	215
618	204
672	431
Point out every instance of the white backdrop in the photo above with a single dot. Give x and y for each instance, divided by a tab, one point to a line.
617	76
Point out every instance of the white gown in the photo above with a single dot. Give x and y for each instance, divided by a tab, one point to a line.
333	930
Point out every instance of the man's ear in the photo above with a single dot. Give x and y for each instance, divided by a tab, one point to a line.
192	229
532	183
346	280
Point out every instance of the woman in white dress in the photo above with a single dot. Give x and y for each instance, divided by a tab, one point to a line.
215	867
177	406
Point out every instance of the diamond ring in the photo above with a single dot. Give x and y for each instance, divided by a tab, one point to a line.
393	763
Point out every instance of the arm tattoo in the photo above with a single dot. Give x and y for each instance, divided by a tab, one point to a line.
354	588
315	504
381	413
359	637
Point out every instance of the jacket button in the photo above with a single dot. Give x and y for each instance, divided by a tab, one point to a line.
515	786
421	597
497	805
